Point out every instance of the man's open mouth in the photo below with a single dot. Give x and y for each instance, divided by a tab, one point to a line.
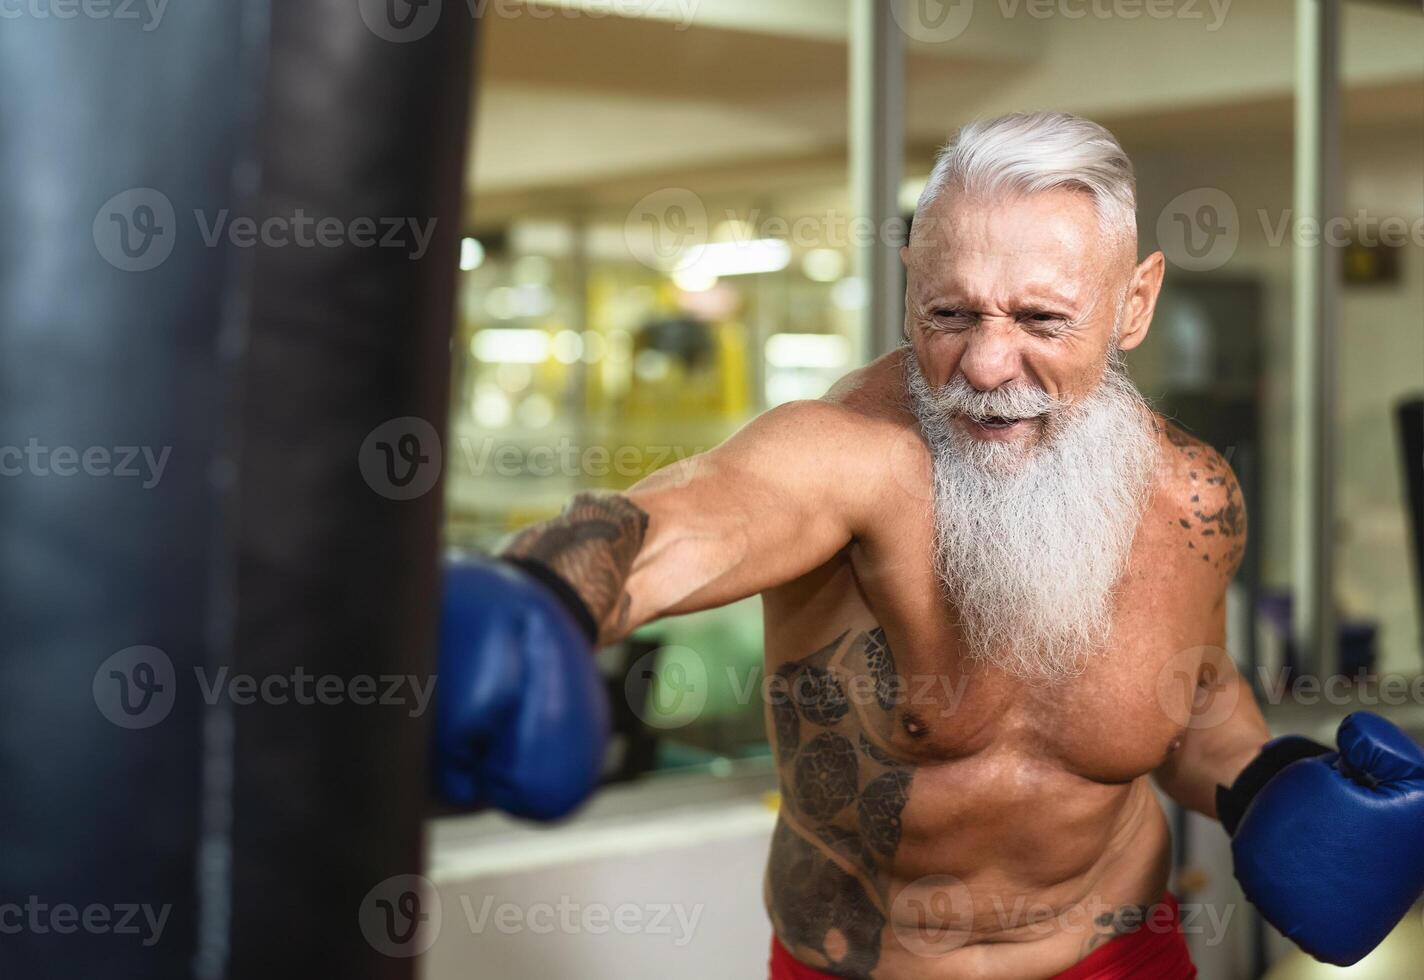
994	421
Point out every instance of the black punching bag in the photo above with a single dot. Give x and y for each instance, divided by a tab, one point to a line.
227	254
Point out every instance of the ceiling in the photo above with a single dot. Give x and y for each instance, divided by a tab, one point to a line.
576	108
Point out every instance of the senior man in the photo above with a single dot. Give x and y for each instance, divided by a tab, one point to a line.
994	584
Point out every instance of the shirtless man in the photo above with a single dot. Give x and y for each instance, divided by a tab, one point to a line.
994	586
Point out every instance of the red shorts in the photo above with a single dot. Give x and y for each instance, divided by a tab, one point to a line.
1156	953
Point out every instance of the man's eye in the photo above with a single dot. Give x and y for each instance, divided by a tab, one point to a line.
953	316
1046	322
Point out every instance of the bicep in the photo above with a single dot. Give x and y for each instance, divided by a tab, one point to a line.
1224	726
755	512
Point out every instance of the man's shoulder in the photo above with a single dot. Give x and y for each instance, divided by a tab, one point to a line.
859	442
1198	486
867	403
874	396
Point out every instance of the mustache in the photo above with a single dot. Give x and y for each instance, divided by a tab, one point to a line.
1013	402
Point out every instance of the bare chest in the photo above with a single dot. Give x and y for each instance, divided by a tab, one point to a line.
872	634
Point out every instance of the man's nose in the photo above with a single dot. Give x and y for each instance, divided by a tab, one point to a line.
991	356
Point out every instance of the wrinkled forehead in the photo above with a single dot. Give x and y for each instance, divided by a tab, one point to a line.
1049	237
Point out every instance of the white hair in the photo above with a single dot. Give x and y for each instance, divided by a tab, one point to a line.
1029	152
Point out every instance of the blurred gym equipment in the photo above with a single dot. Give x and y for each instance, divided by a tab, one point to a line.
1411	439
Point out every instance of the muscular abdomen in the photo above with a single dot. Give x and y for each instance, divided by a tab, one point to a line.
895	770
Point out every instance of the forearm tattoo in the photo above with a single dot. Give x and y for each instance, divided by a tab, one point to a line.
842	797
592	544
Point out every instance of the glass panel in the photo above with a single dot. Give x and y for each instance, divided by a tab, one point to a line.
1381	336
657	252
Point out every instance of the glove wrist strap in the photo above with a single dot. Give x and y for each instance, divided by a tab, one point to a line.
566	594
1231	803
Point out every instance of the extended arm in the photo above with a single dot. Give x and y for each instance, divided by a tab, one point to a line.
762	508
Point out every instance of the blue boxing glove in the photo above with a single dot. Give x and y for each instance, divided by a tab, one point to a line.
1329	846
521	717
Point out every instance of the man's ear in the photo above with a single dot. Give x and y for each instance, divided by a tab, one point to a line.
905	256
1141	301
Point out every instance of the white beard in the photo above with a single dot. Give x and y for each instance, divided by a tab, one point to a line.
1031	540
